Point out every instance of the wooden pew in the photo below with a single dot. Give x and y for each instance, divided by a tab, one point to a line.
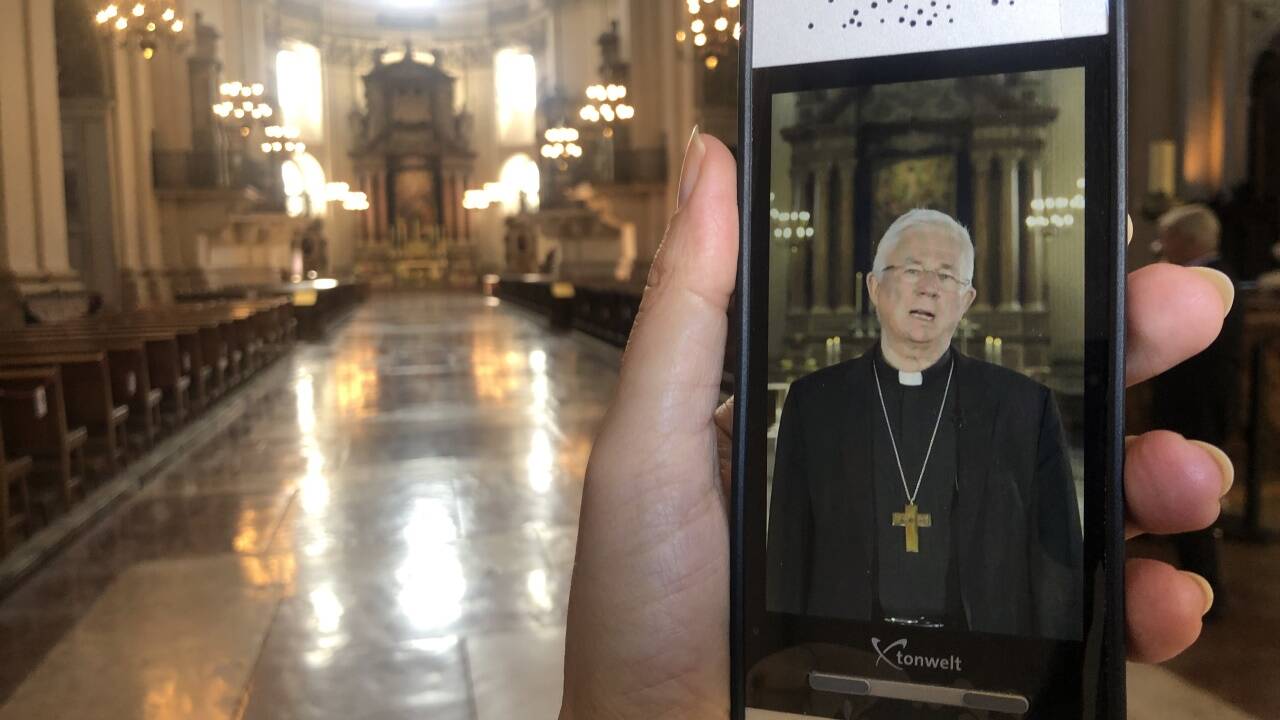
163	356
32	413
190	354
15	497
87	391
130	378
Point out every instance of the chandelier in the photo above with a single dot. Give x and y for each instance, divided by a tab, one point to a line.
281	139
143	23
242	103
562	144
606	106
1057	212
715	26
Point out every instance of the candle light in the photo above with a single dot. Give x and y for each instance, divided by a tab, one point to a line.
1162	168
857	293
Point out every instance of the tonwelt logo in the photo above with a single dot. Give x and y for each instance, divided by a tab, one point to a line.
895	655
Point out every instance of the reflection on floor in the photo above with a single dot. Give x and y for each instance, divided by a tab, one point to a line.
387	535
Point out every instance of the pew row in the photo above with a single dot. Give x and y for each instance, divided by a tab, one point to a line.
15	497
35	424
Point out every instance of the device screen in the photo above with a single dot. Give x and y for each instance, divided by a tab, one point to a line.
919	533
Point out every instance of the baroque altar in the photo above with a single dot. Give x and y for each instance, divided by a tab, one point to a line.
413	159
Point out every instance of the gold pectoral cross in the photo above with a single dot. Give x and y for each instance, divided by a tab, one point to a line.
912	520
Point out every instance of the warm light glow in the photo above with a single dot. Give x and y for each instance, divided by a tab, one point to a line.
299	72
431	583
516	79
519	177
337	191
476	200
539	592
355	202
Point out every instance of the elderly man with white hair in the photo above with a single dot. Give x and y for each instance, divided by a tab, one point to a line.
916	485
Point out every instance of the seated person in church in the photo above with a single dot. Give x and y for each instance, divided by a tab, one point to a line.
917	485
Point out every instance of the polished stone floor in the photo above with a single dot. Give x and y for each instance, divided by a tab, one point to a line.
388	534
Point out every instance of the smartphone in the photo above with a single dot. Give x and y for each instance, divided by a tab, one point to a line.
927	509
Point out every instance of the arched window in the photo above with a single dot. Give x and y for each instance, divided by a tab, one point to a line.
305	187
516	77
519	178
300	87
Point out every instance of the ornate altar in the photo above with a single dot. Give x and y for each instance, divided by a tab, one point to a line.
861	157
413	159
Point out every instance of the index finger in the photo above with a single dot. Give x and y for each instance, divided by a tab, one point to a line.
1174	313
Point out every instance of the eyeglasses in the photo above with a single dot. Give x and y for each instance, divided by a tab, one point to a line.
912	275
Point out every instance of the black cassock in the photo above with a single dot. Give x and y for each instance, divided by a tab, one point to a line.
1014	533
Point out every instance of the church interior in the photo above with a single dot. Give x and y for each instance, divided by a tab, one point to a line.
310	311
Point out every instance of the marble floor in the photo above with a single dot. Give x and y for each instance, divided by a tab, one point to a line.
387	534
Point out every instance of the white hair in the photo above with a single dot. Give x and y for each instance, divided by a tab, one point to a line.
1196	221
922	217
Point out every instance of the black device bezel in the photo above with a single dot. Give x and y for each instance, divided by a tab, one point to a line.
1088	676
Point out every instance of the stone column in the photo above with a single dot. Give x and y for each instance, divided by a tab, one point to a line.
184	90
466	214
382	212
799	290
1008	230
981	162
844	268
33	234
822	229
369	219
209	162
1035	250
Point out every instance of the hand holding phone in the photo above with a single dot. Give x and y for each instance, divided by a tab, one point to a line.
646	626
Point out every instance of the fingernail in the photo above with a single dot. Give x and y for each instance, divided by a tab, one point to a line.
1224	464
693	157
1206	588
1226	288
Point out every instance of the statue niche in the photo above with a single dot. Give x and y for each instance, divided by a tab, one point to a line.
414	160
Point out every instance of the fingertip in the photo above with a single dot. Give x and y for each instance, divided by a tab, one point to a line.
1226	289
1223	461
1164	610
1205	589
1173	314
1171	484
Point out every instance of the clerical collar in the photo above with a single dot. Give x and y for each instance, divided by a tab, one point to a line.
935	372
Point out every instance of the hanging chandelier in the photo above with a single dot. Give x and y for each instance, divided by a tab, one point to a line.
562	144
281	139
606	106
242	103
144	23
715	26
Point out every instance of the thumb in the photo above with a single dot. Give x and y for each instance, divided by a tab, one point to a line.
674	360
